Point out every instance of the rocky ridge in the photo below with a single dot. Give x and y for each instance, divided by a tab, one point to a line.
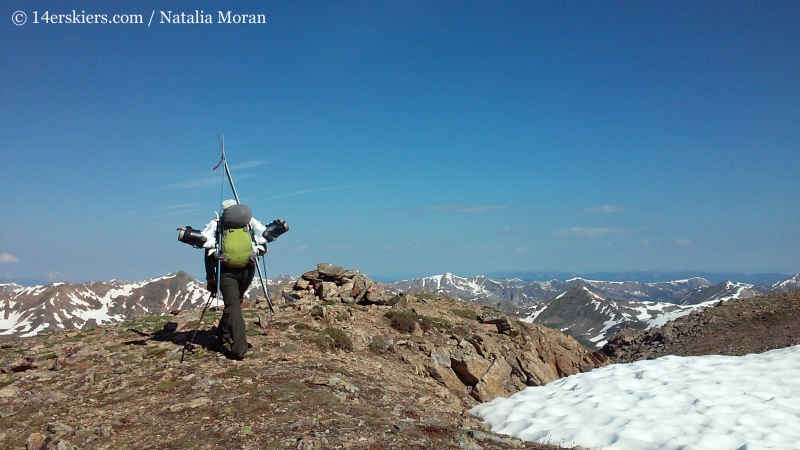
751	325
362	369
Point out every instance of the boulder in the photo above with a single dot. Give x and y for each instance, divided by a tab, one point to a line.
444	376
505	327
495	383
537	373
330	270
328	290
441	356
349	274
347	288
490	316
35	441
310	275
469	367
296	294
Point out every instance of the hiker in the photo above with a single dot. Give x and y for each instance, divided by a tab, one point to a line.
243	239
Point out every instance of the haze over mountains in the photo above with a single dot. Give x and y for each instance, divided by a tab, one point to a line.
645	276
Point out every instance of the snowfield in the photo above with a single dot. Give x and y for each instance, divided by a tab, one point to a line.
700	402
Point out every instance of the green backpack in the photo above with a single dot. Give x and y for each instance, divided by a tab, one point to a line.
237	249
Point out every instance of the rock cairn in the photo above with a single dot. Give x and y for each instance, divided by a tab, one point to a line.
331	283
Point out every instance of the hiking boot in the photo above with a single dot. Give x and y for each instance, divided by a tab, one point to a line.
234	356
222	338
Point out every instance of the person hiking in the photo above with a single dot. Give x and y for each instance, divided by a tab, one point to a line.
242	239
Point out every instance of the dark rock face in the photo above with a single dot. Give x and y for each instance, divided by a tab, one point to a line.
589	317
751	325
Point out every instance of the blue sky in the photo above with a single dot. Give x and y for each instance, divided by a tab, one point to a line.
406	138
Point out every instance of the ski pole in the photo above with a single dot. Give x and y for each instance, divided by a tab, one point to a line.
266	291
189	345
266	277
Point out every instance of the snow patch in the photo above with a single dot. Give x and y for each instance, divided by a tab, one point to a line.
705	402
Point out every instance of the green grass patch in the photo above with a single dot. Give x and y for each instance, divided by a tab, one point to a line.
340	339
124	396
153	319
425	322
240	372
156	351
129	358
402	321
465	313
405	321
209	318
330	339
167	385
303	326
440	322
252	332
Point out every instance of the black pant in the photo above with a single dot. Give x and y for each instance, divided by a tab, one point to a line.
233	284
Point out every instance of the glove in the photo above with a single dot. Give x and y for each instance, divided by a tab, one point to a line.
262	250
211	285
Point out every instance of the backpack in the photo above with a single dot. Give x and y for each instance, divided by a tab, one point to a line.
236	245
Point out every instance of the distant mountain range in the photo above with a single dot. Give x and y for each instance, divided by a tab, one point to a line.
644	276
589	310
528	293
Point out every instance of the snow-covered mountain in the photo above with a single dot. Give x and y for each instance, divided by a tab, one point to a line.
788	284
708	295
26	311
514	291
591	318
528	293
591	310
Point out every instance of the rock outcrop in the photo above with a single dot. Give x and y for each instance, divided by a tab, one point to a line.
751	325
482	351
331	283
